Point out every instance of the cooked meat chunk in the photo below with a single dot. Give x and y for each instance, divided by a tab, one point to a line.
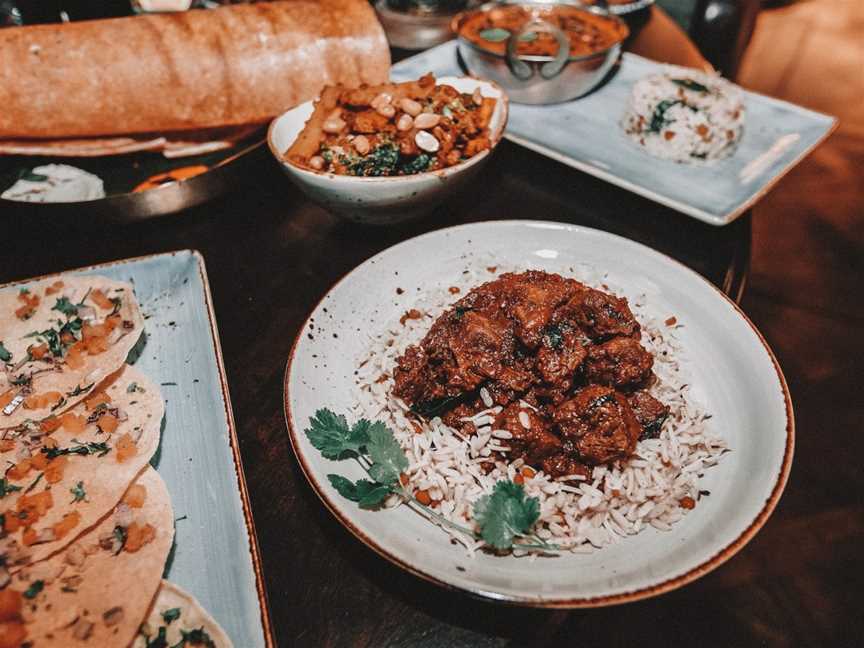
650	413
620	362
552	342
560	355
563	464
533	442
600	422
600	314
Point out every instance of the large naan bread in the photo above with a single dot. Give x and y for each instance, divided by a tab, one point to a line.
176	613
81	463
82	329
235	65
98	590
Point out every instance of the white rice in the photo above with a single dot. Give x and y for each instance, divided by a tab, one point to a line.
577	514
685	124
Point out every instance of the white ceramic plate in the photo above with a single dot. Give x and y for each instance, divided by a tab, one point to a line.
586	135
734	374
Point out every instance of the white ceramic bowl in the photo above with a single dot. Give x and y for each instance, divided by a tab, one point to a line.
732	372
389	199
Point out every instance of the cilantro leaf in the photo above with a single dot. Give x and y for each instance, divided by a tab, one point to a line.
65	306
505	514
331	435
6	487
196	637
34	589
690	84
367	494
5	356
388	458
171	615
78	493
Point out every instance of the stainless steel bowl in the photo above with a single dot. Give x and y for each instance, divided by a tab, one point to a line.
539	79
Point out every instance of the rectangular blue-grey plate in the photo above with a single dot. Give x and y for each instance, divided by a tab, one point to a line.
215	556
586	134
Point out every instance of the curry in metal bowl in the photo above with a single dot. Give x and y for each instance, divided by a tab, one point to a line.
587	32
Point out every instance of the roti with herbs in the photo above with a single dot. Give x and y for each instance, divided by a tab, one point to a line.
60	337
97	591
67	472
178	619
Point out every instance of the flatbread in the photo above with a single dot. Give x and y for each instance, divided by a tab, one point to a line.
65	373
171	145
234	65
174	612
96	592
90	485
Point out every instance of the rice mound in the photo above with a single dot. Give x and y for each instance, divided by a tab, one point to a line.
687	116
577	514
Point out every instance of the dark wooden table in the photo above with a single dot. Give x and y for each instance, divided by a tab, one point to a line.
271	255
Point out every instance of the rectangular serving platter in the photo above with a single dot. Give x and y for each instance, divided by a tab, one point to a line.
586	134
215	555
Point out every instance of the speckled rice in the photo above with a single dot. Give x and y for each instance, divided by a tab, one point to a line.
720	112
618	501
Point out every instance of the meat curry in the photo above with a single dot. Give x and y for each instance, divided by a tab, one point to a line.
562	360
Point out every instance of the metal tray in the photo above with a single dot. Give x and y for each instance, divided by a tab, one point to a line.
215	555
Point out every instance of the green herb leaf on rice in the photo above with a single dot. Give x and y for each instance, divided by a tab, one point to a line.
505	514
388	458
690	84
6	487
5	355
331	435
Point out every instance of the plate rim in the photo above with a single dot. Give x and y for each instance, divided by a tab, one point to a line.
200	266
667	585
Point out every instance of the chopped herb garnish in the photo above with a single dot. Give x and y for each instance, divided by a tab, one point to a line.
80	390
197	637
60	403
134	387
66	307
658	119
28	175
419	164
552	337
171	615
34	589
120	536
690	84
5	355
100	449
380	162
78	493
160	640
6	487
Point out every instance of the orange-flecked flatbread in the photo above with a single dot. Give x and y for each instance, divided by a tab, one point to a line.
98	590
67	472
176	613
60	338
231	66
